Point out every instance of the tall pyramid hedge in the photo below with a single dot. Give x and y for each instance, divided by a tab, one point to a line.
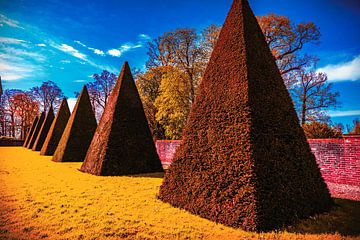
122	143
56	130
44	130
244	160
78	132
36	131
27	139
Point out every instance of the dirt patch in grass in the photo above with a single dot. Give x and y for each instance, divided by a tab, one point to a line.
41	199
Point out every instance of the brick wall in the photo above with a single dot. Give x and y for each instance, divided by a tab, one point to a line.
338	159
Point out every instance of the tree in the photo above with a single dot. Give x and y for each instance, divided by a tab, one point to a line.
148	85
48	94
313	95
181	49
209	37
355	128
286	40
100	90
26	109
173	103
321	130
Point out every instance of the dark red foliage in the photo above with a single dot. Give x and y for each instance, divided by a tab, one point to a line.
36	131
78	132
244	160
122	144
44	130
27	139
56	130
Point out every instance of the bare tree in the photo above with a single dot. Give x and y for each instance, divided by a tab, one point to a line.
313	95
48	94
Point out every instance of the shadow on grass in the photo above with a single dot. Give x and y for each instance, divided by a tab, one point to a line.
149	175
344	219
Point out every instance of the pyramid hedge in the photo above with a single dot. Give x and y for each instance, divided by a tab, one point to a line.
122	144
44	130
78	132
56	130
244	160
36	131
27	139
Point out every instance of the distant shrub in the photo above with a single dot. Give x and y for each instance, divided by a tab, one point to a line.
3	138
321	130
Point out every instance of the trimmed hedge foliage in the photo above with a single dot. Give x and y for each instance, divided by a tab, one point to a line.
44	130
122	144
36	131
56	130
244	160
78	132
27	139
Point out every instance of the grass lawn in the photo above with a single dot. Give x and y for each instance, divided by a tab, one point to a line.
41	199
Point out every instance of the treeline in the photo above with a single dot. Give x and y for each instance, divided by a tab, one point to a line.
174	69
18	108
177	61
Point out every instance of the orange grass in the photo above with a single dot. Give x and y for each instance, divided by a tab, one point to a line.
41	199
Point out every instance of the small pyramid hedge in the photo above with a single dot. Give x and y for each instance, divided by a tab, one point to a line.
27	139
44	130
78	132
122	144
36	131
56	130
244	160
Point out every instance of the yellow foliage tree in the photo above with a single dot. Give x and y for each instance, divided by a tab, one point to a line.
173	102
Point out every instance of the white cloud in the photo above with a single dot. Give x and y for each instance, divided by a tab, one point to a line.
9	52
79	81
41	45
123	49
347	71
144	36
80	43
344	113
114	52
70	50
99	52
71	103
7	40
13	71
9	22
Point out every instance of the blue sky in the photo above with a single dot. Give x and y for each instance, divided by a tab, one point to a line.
68	41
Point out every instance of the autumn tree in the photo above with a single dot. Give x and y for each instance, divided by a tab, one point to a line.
354	128
173	102
26	109
286	40
148	85
48	94
321	130
313	95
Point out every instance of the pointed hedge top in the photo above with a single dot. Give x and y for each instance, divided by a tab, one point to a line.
78	132
56	129
122	144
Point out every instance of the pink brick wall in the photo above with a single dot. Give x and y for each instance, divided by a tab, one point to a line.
338	159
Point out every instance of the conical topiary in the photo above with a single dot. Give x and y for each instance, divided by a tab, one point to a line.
56	129
44	130
122	143
78	132
27	139
244	160
36	131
